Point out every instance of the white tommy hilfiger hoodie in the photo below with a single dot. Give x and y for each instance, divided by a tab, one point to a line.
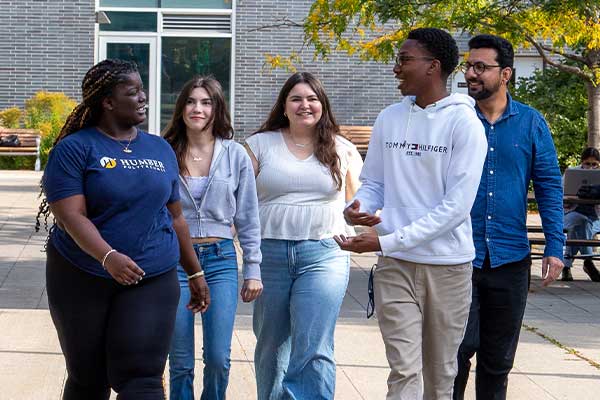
422	170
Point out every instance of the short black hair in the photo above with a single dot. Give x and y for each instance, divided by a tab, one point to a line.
440	44
590	152
504	49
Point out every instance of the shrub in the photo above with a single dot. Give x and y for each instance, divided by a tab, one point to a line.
562	99
47	112
11	117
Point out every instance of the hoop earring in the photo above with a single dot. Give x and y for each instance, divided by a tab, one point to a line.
285	114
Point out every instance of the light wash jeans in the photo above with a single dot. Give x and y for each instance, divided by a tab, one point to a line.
294	318
578	226
220	265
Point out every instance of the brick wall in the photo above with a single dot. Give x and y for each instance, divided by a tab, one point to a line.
357	90
44	45
49	44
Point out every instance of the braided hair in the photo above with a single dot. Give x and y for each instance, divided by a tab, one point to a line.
97	84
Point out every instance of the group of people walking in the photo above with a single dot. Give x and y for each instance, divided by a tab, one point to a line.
144	228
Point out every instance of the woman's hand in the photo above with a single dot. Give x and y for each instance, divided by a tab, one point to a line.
199	295
251	289
123	269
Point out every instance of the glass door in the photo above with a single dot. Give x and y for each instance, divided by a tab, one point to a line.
142	51
182	58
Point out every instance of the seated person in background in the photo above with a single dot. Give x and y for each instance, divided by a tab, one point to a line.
581	222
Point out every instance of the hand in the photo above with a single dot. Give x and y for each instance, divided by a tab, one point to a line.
123	269
199	295
359	244
353	215
551	269
251	289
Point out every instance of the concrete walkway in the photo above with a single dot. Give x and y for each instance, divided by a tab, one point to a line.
558	355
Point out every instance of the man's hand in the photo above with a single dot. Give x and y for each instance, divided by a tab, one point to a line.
551	269
251	289
359	244
353	216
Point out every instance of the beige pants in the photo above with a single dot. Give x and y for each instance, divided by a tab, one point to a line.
422	312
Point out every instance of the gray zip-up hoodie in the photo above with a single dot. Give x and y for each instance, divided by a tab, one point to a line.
230	199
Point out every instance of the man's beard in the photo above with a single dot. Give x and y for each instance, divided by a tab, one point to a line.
484	92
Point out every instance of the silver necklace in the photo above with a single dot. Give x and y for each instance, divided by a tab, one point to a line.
301	145
126	148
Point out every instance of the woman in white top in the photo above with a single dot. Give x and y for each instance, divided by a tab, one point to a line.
305	172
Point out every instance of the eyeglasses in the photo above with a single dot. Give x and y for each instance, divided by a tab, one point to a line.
591	165
371	292
478	67
403	59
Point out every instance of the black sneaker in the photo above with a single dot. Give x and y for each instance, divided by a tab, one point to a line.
566	275
590	269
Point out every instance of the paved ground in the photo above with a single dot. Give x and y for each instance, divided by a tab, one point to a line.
558	356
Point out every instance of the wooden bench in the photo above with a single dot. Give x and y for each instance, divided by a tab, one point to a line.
359	136
540	241
29	144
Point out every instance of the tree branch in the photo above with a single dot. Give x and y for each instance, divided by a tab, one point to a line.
570	56
566	68
284	22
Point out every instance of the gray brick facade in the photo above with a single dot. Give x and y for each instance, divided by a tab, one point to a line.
357	90
49	45
44	45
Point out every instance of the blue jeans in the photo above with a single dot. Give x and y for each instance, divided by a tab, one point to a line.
220	265
294	318
579	226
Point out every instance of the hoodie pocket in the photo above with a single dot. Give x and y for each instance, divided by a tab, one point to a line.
445	244
218	202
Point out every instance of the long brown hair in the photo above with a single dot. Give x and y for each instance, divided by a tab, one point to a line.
98	83
326	129
175	132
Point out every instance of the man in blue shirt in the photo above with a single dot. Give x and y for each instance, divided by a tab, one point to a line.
520	150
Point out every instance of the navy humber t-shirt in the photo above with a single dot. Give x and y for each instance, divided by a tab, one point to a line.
126	197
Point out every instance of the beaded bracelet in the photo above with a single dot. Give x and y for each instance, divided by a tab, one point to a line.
196	275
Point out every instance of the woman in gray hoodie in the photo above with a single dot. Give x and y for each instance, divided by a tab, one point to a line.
218	192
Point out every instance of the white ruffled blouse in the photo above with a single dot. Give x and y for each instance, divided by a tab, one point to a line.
298	199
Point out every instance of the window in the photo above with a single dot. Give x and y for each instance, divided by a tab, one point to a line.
130	21
185	57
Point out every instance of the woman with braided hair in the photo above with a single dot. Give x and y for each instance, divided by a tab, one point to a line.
119	235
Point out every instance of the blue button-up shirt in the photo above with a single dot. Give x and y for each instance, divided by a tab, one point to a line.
520	150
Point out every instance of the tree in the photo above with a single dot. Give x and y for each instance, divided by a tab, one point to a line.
566	33
561	98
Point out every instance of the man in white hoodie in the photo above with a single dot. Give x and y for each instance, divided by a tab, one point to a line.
422	171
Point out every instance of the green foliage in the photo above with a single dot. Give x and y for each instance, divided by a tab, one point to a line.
11	117
562	99
566	33
46	112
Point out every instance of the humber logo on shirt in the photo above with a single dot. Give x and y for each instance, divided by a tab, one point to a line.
132	163
108	162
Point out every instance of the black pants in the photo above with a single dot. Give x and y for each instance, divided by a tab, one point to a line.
495	317
112	336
